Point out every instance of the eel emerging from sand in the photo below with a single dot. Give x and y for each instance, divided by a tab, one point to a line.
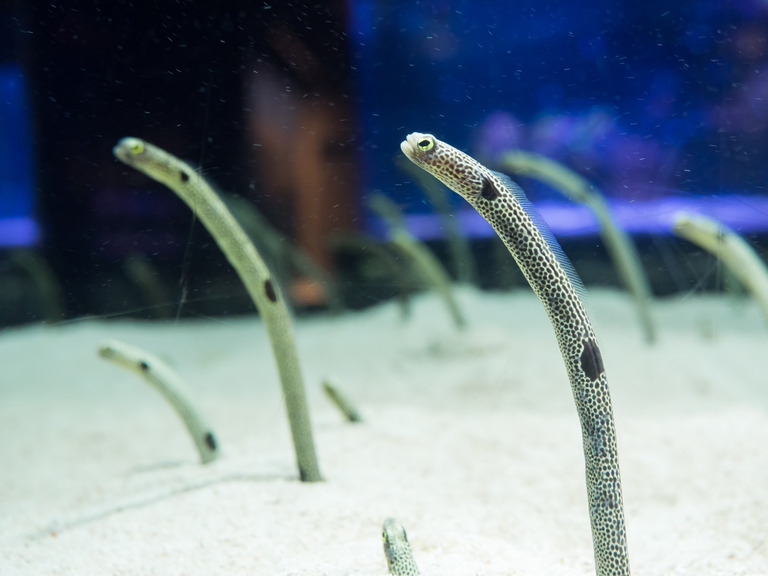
165	380
400	560
504	205
192	188
342	402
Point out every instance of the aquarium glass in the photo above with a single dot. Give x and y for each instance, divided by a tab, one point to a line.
660	105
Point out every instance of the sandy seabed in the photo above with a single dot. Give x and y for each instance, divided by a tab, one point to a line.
470	439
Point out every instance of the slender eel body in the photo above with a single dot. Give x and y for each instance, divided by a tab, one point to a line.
423	259
265	293
732	249
618	243
504	206
165	380
342	402
400	560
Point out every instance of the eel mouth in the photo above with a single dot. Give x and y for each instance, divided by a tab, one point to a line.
124	150
408	149
121	153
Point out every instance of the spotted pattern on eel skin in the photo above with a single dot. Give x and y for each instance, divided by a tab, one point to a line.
503	204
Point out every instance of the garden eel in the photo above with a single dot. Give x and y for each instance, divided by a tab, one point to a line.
342	402
165	380
724	244
619	245
504	205
423	260
192	188
44	280
397	549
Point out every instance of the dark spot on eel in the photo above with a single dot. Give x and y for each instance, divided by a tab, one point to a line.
184	176
143	366
489	191
591	360
269	290
210	441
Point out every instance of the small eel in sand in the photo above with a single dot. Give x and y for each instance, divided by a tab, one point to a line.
165	380
397	549
504	205
342	402
266	294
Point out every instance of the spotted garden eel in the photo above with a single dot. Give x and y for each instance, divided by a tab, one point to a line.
617	242
192	188
165	380
504	205
397	550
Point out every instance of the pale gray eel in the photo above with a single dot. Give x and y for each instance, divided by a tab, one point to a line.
504	205
397	549
267	296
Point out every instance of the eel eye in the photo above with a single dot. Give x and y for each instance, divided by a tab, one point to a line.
426	144
137	147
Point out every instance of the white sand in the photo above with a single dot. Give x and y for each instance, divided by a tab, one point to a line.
471	440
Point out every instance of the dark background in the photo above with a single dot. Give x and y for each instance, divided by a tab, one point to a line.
646	99
172	73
